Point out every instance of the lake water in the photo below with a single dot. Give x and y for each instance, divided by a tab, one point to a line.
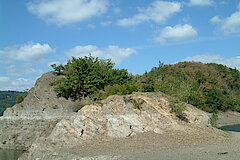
234	128
9	154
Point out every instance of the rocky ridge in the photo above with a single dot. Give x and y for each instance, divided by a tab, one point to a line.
44	123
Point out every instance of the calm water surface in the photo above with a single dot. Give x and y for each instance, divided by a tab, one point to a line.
9	154
234	128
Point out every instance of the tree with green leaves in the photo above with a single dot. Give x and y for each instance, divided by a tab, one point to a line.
85	76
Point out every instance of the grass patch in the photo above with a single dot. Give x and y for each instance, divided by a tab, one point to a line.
178	108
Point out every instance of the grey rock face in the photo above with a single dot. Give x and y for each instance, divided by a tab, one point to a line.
42	102
19	134
35	117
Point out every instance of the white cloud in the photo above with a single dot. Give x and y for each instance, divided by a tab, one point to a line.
105	23
200	2
4	83
114	53
233	62
19	84
215	19
158	11
27	52
22	70
229	25
22	61
4	80
176	33
62	12
117	11
91	26
23	82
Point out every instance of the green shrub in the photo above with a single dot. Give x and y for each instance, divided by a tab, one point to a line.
178	108
20	98
214	118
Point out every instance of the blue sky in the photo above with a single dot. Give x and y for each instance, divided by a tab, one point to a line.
135	34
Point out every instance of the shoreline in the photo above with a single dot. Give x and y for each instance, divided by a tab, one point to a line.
228	118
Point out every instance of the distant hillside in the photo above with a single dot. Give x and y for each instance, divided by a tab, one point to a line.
209	87
8	99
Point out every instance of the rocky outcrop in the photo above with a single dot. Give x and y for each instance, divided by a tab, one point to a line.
115	117
124	116
42	102
45	123
35	117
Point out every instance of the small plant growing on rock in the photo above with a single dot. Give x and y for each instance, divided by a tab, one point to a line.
178	108
214	118
20	98
136	102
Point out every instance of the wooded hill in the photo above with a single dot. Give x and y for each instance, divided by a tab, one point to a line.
210	87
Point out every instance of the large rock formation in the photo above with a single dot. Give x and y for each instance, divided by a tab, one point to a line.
43	123
42	102
123	116
36	116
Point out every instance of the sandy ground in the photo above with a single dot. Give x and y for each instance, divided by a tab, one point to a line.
192	144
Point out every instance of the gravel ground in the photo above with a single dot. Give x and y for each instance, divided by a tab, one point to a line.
221	150
193	143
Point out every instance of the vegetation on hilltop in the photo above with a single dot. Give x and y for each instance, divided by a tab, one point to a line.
210	87
10	98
